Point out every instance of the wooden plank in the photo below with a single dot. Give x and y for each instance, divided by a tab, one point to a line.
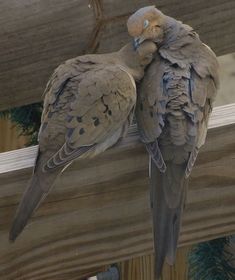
179	271
99	211
142	268
11	139
38	35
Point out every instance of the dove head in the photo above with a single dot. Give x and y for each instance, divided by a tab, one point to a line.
147	23
136	60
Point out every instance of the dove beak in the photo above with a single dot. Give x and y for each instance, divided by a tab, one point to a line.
138	41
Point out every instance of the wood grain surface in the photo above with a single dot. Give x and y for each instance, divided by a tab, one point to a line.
98	213
10	138
142	268
38	35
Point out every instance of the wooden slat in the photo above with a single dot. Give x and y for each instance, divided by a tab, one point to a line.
142	268
179	271
99	212
10	136
37	35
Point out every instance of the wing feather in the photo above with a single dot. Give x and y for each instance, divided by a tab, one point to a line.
173	108
105	98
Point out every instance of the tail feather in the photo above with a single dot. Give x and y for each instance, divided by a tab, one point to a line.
38	188
166	218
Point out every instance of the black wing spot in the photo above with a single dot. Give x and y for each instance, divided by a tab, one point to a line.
96	121
79	119
174	65
81	131
110	112
151	114
106	108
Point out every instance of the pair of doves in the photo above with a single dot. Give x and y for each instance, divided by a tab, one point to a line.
90	102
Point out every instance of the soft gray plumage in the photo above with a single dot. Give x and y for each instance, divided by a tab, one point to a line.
88	106
173	107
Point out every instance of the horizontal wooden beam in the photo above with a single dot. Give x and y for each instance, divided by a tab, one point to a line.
36	36
98	213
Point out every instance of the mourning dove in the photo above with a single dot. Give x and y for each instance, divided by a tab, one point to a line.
174	103
89	104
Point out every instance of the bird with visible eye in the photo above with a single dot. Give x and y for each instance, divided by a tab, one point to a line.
174	102
146	24
148	27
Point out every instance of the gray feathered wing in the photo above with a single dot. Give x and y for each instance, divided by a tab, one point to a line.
173	108
86	111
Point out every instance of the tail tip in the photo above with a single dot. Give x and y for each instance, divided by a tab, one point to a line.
13	234
158	274
11	238
158	268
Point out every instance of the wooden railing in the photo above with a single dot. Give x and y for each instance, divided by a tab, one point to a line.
98	213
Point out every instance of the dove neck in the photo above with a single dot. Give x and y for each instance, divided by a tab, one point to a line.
174	31
135	61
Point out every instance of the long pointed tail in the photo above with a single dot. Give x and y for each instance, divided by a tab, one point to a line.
168	191
38	188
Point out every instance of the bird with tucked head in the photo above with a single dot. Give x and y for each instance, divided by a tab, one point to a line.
89	104
146	23
174	102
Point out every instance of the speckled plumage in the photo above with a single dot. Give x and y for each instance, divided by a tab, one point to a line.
173	107
89	104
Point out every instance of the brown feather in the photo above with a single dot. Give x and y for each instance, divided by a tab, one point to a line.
89	103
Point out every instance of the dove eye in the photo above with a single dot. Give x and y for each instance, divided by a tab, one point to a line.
146	24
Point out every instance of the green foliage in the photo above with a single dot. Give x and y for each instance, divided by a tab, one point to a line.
27	119
212	261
